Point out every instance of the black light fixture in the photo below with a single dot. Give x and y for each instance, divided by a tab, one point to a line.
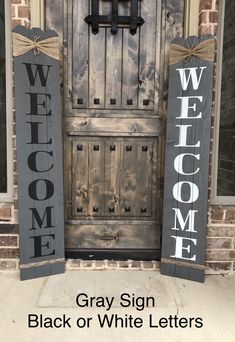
114	20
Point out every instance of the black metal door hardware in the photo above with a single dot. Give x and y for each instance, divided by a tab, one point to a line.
113	19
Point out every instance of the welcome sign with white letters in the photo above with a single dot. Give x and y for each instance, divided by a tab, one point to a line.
187	157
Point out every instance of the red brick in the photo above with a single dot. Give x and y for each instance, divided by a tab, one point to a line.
221	231
219	266
13	11
230	215
123	264
112	263
220	255
16	22
23	12
8	241
203	18
205	29
8	253
5	213
219	243
135	264
205	4
217	213
8	265
8	228
213	17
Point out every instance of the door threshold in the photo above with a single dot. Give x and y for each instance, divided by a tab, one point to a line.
118	255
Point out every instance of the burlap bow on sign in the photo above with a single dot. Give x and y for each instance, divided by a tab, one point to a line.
49	46
204	50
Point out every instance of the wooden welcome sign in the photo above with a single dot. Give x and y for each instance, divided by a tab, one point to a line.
39	152
187	157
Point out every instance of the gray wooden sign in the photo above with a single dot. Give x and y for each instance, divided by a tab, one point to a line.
39	152
187	157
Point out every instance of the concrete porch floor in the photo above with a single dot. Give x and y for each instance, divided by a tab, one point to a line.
213	301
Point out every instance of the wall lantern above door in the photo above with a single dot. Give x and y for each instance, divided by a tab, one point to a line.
113	19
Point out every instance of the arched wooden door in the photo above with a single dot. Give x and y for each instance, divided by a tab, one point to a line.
112	125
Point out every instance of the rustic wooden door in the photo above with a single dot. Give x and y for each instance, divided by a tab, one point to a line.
111	130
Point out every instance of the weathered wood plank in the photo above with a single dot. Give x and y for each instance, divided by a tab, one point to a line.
130	70
102	126
112	236
97	68
128	178
113	70
96	178
80	54
186	168
80	186
39	157
112	177
144	174
147	55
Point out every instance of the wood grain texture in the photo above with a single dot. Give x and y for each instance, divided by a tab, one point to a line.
111	236
111	70
198	132
80	55
147	68
39	158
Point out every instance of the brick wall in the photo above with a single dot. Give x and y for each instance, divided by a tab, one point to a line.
220	246
220	253
9	239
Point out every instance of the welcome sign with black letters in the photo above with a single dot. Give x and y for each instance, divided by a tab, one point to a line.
39	152
187	157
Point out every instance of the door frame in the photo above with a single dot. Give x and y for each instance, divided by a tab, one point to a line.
172	24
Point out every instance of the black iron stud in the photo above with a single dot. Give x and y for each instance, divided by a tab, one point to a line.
95	209
80	101
112	148
79	147
128	148
127	208
96	101
113	101
146	102
143	210
129	102
111	209
144	148
79	209
96	148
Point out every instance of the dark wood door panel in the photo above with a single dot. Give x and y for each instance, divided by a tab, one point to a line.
112	177
112	235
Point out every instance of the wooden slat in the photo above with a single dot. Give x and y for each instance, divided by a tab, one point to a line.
112	177
80	54
128	178
130	69
113	235
107	126
113	69
79	183
54	18
147	55
194	171
144	174
96	178
97	69
39	161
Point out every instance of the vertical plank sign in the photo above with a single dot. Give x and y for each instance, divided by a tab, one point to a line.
39	152
187	157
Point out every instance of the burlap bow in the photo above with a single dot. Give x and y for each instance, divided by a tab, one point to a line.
22	44
204	50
